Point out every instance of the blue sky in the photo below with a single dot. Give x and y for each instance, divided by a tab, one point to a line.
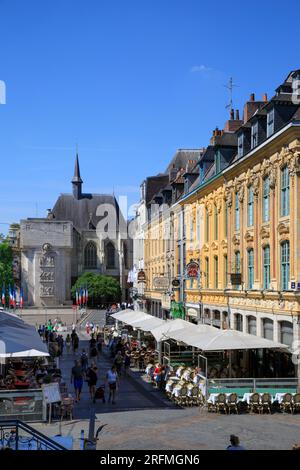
129	81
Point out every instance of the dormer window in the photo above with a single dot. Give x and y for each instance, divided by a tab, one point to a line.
240	145
254	135
270	122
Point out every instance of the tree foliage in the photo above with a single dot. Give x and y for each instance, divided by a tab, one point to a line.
6	258
101	289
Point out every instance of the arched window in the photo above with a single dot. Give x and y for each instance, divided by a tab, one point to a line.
238	322
268	329
90	256
286	332
110	255
251	325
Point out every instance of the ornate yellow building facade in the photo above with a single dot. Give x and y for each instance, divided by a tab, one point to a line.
248	221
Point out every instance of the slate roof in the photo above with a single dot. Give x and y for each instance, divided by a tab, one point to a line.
182	156
82	211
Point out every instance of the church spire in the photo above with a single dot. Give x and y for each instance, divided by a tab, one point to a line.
77	181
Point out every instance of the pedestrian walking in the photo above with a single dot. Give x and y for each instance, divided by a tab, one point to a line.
118	362
84	361
75	343
127	361
112	380
77	379
68	343
92	378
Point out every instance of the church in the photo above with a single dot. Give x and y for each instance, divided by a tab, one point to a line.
75	237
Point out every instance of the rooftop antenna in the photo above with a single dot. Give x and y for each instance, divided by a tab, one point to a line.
230	87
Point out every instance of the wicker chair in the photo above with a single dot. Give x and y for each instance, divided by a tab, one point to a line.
287	403
182	397
266	402
220	403
194	396
296	402
255	405
232	403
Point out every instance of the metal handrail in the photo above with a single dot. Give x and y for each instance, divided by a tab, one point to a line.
41	438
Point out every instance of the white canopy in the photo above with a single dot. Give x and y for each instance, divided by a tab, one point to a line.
169	327
140	320
18	339
209	338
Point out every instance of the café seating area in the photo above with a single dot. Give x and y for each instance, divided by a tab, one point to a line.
254	402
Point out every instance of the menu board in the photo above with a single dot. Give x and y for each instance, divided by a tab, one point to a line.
51	393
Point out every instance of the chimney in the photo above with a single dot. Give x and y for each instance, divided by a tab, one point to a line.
237	115
232	114
251	106
265	97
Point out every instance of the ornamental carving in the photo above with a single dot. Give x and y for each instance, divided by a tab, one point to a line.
228	196
283	228
219	204
249	237
255	184
240	193
214	246
236	239
224	244
273	178
264	232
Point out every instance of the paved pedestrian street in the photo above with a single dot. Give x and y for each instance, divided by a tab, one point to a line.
144	419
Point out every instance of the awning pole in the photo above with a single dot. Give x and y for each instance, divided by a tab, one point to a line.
230	358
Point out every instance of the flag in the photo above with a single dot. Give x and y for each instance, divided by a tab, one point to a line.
83	296
3	295
77	298
21	298
86	295
10	296
14	297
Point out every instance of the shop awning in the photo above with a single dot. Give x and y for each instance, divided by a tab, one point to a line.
169	327
140	320
18	339
209	338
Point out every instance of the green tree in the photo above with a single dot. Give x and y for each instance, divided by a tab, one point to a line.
101	289
6	258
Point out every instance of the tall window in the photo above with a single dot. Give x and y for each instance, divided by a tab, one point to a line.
216	261
237	212
90	256
285	265
226	220
225	271
254	135
285	192
270	122
206	225
241	145
250	206
206	273
250	269
237	262
266	267
110	255
216	222
266	199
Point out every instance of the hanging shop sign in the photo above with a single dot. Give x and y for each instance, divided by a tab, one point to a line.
192	270
177	310
175	283
161	283
192	312
141	277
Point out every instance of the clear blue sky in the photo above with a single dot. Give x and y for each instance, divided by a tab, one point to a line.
129	81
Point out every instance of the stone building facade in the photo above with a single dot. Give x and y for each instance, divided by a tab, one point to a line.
82	233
